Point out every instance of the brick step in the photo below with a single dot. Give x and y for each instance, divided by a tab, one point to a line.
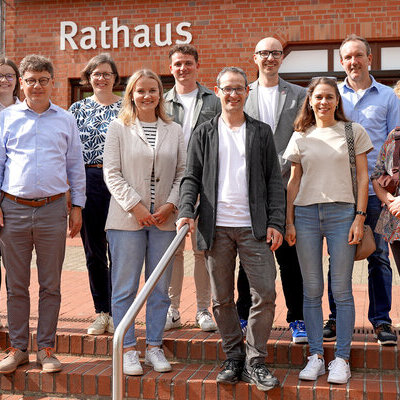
198	346
90	378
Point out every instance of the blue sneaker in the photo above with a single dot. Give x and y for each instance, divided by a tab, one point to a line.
243	326
298	329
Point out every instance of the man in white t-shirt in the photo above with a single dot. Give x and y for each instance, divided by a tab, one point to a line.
232	164
189	104
276	102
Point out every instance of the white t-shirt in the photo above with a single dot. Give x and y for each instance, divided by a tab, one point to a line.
188	100
324	158
233	198
267	104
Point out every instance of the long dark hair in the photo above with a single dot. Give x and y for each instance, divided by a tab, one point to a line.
306	118
10	63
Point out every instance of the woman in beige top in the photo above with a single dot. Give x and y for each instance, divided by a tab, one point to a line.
143	163
320	203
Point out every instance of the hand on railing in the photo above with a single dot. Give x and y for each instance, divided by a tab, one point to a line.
182	221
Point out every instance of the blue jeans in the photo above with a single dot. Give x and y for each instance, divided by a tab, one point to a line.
313	223
379	273
129	249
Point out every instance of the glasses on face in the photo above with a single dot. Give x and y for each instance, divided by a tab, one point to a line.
7	77
42	81
106	75
228	90
265	53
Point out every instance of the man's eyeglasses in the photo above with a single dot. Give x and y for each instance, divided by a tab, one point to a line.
106	75
42	81
265	53
228	90
7	77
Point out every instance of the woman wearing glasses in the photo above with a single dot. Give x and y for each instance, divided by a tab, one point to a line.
144	160
9	83
93	115
320	203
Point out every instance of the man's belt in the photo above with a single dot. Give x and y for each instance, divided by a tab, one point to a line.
93	165
34	202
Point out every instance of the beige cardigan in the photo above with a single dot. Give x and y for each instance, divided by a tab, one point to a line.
127	167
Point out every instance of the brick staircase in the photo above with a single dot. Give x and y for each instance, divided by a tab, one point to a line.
196	357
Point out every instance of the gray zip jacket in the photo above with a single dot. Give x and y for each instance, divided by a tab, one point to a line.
265	187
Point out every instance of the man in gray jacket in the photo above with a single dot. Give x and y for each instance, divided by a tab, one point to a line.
232	164
276	102
189	104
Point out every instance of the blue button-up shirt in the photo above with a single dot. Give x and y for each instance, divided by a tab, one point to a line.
378	111
40	152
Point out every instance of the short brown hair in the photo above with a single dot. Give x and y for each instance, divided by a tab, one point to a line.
36	63
103	58
306	117
184	49
10	63
353	37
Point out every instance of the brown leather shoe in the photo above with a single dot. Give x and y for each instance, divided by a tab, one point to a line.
12	360
48	360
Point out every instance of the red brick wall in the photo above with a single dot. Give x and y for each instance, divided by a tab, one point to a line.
224	32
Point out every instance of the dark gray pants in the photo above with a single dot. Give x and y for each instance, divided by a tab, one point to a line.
43	228
259	265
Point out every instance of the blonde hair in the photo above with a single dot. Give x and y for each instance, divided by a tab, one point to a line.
397	89
128	112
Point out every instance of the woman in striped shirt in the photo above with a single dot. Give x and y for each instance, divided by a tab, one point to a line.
144	160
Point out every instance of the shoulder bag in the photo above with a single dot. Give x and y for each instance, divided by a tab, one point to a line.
367	245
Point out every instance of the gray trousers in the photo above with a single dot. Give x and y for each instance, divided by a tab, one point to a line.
43	228
259	265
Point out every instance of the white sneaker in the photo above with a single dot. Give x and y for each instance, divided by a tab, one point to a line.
314	368
110	326
155	358
100	324
131	363
339	371
173	319
205	322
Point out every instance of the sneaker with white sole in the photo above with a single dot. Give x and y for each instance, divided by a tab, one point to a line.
110	326
205	322
48	361
173	319
299	333
131	363
155	358
100	324
339	371
12	360
314	368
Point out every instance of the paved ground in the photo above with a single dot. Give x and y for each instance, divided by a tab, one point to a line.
77	308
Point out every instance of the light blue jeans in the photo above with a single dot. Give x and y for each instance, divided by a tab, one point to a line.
313	223
129	249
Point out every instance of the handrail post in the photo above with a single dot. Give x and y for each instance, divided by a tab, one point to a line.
119	334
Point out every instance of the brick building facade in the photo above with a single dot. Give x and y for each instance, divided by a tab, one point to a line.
224	32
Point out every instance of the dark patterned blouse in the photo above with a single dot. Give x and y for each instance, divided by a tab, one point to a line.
93	120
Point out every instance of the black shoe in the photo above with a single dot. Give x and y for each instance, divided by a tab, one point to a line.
329	331
231	372
385	335
259	375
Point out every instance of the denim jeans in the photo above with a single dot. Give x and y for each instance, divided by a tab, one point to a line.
129	249
379	273
259	266
313	223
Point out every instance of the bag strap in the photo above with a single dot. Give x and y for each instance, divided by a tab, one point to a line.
348	128
396	154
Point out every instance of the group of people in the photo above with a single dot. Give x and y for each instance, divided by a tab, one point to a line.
267	164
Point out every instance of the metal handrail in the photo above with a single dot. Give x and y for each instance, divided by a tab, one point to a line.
133	311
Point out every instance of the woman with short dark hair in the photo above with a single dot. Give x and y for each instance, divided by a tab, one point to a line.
93	115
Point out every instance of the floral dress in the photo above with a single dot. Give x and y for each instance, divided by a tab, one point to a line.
388	225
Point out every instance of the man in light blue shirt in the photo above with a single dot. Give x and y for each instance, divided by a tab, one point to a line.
40	160
377	109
